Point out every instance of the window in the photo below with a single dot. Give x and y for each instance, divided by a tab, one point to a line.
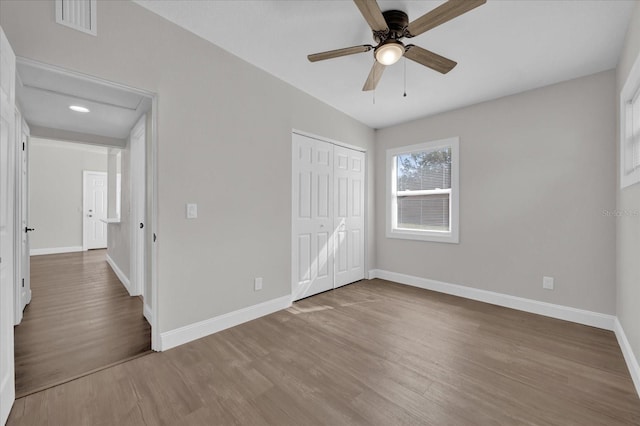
422	191
630	128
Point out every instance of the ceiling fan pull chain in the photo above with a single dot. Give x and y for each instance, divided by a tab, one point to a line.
405	77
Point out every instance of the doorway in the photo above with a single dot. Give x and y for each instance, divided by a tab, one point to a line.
94	277
328	226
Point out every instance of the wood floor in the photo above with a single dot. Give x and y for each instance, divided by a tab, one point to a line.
80	319
372	353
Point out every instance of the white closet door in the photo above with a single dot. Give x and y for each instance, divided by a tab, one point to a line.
312	214
348	215
95	209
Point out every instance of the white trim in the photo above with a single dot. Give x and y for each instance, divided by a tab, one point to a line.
629	356
146	311
372	274
50	134
121	276
83	76
630	89
567	313
21	130
6	403
55	250
137	207
152	188
188	333
331	141
77	146
451	236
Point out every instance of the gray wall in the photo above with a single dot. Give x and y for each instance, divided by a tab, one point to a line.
119	234
55	190
628	226
536	171
224	136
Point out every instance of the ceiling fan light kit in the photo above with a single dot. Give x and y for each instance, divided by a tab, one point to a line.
389	52
392	25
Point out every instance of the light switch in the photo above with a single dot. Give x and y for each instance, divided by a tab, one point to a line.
192	211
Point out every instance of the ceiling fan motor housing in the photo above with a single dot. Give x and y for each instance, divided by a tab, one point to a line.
397	21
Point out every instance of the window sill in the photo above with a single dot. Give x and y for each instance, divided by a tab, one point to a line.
111	220
630	179
436	237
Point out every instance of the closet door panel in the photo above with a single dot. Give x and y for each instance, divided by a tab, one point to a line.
312	215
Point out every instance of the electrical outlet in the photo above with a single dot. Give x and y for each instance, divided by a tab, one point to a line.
257	284
547	283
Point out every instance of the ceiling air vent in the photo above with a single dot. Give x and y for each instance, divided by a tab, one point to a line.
77	14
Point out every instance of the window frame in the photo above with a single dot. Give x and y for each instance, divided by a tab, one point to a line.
392	231
629	94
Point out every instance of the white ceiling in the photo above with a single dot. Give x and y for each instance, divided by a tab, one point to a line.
502	47
45	95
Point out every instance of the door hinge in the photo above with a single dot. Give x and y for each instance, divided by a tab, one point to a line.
23	283
154	237
23	146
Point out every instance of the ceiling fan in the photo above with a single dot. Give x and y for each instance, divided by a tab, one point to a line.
393	25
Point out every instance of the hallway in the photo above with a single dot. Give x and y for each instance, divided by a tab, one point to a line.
81	319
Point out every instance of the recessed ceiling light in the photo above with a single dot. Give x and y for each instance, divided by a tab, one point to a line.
78	108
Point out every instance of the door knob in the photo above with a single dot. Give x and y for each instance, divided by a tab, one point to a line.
27	229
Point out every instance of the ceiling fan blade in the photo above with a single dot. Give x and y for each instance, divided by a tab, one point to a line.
441	14
339	52
374	76
372	14
429	59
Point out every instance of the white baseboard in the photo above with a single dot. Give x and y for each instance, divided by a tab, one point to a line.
8	392
567	313
629	356
188	333
121	276
54	250
146	311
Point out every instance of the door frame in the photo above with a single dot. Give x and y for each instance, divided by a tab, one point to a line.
137	243
85	173
151	179
366	201
22	130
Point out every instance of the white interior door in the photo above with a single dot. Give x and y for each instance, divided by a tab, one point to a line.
22	263
7	139
95	210
348	215
312	214
138	211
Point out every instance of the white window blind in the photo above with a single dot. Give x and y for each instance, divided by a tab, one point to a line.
424	190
